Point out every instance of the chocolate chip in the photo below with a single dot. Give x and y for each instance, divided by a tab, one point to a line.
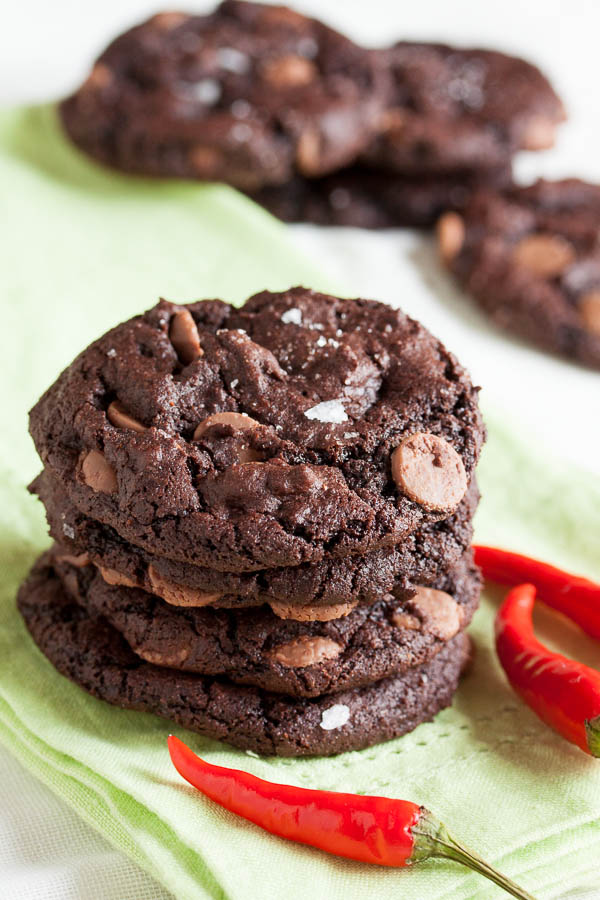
288	71
450	235
544	254
98	473
178	594
306	651
112	577
120	418
428	469
238	421
206	161
589	307
183	334
310	613
166	21
441	614
80	561
308	155
539	133
402	619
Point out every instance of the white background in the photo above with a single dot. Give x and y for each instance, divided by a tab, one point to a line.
46	47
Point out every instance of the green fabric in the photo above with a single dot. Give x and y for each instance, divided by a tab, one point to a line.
83	249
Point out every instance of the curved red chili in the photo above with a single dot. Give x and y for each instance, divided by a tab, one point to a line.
368	829
565	694
574	596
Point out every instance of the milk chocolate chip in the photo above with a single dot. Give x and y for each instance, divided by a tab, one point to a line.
589	307
166	21
170	660
288	71
120	418
402	619
80	561
308	155
111	576
309	613
98	473
545	255
539	134
450	235
239	421
183	334
206	160
100	77
428	469
178	594
306	651
441	614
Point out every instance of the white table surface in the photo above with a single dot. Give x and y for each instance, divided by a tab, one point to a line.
46	851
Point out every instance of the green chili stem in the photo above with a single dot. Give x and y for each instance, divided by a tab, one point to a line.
433	839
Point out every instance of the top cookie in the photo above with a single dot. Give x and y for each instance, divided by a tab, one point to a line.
531	257
298	427
249	95
460	109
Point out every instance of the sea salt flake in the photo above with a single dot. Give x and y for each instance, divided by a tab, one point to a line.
234	383
333	343
292	316
241	132
253	754
335	716
308	48
351	434
240	109
68	531
112	352
328	411
322	342
206	91
233	60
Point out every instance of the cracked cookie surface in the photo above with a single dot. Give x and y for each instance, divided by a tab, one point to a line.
333	387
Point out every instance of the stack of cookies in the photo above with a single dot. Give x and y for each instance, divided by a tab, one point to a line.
307	122
262	521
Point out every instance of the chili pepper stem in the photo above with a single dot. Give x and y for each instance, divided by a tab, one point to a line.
592	730
432	838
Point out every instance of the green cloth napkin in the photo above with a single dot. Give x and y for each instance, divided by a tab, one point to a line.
83	249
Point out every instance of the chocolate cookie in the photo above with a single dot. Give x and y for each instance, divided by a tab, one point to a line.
301	659
248	95
310	592
365	198
531	258
297	428
461	109
93	654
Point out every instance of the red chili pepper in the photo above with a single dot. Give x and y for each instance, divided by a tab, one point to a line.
368	829
565	694
574	596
